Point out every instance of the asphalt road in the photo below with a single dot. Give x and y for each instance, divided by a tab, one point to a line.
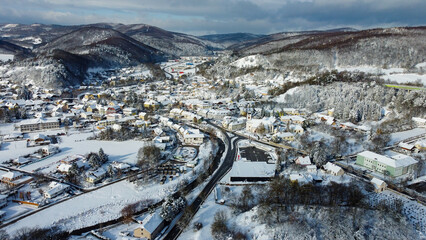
193	208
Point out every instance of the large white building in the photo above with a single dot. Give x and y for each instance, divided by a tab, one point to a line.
37	124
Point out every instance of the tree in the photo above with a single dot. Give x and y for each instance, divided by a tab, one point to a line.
110	171
219	229
94	160
4	235
102	156
171	207
148	156
318	155
246	199
127	213
261	129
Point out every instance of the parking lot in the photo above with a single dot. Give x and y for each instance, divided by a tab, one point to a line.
254	154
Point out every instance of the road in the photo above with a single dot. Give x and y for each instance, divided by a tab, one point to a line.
195	205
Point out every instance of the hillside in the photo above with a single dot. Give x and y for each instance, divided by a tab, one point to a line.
393	47
173	43
298	56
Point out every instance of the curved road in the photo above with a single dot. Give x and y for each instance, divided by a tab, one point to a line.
221	171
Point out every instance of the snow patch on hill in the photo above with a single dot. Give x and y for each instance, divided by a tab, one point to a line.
251	61
6	57
281	98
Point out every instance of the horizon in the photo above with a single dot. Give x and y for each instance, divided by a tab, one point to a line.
222	17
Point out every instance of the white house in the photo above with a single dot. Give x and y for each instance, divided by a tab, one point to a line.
333	169
379	185
303	160
95	176
55	189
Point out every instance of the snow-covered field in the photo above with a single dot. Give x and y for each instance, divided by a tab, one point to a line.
97	206
392	74
125	151
6	57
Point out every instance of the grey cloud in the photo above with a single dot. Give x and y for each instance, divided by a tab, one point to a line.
220	16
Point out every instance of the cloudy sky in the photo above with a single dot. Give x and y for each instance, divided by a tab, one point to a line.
220	16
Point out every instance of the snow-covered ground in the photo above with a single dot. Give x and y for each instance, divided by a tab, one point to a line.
6	57
281	98
205	216
105	203
393	74
97	206
414	211
251	61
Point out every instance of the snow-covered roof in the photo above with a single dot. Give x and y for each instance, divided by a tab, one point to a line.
405	145
11	175
304	160
37	120
252	169
419	120
152	221
332	167
377	182
297	177
396	160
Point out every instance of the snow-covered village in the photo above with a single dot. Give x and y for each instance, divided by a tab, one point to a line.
115	131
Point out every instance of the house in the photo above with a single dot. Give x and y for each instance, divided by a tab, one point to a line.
265	125
298	178
38	140
287	136
143	116
419	122
406	146
49	150
291	111
303	160
297	129
65	167
420	145
55	189
151	104
193	138
86	115
379	185
396	165
15	179
19	161
13	137
233	124
293	119
122	167
311	168
95	176
113	109
151	227
3	200
130	111
333	169
218	113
